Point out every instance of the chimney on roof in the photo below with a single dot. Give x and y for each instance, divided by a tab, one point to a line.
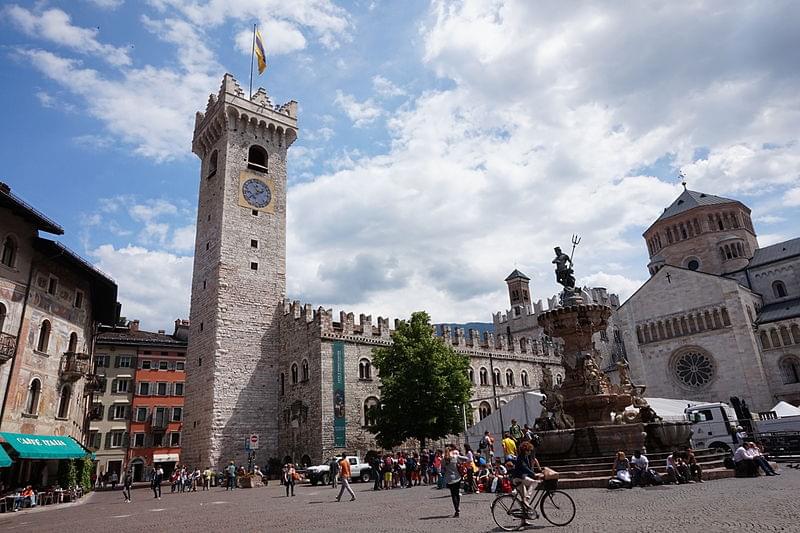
133	325
181	330
4	187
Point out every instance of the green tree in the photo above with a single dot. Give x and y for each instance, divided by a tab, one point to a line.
424	385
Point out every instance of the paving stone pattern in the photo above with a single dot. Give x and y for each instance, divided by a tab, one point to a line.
735	505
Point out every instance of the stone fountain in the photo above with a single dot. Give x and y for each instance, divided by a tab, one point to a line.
585	416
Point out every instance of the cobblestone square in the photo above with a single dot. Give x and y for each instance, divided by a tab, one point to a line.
735	505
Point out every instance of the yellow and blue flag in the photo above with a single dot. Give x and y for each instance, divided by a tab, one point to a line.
260	54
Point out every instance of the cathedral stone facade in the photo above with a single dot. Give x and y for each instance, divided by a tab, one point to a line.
719	317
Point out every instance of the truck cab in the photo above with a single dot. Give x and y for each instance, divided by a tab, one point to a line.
358	471
713	426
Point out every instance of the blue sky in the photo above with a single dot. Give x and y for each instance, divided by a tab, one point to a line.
441	145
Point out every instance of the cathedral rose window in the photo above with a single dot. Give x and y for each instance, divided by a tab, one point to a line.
694	368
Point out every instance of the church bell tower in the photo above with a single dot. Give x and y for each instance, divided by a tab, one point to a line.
239	277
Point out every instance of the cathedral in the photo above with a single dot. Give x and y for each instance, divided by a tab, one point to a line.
719	315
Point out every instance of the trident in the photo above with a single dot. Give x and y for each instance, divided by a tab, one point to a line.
575	242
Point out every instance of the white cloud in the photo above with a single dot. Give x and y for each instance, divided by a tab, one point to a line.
547	122
329	23
154	286
792	197
280	37
183	238
93	142
361	113
386	88
767	239
106	4
45	99
55	26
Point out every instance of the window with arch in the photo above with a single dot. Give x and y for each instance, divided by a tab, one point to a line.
524	378
510	377
559	379
44	336
73	342
365	369
63	402
779	289
294	373
484	376
693	264
305	370
212	164
34	393
2	317
471	375
371	407
496	377
790	368
257	158
484	410
9	255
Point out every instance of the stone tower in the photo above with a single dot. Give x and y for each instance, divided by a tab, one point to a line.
518	290
239	277
702	232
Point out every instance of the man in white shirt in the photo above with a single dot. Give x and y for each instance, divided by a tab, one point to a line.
639	467
743	459
673	473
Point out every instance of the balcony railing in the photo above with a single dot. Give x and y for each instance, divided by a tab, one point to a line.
74	366
159	422
94	384
8	345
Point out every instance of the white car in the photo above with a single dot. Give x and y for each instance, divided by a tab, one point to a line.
358	471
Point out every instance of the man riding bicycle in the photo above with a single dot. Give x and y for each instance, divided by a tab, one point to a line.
523	475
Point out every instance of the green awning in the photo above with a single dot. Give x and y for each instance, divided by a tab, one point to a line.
44	446
5	460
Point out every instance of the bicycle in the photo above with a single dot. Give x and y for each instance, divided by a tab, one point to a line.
556	506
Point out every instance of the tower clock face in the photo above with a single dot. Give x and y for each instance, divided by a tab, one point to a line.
256	193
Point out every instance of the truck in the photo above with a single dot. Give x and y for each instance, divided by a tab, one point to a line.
358	471
714	426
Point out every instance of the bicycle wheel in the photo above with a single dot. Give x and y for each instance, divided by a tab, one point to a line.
557	508
507	512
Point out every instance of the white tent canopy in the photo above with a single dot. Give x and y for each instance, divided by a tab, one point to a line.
784	409
525	408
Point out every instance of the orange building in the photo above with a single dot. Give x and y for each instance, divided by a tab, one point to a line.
156	406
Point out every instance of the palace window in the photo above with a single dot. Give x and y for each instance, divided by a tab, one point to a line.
371	406
496	377
44	336
484	376
484	410
78	303
9	252
471	375
212	164
790	368
63	403
294	373
72	347
510	377
524	378
257	158
305	370
2	316
779	289
34	393
364	369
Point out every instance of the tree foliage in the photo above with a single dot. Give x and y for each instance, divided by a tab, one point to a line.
424	385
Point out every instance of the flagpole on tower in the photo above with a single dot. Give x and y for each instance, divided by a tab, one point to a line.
252	55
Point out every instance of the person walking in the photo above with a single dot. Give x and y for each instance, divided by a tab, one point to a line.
127	483
344	479
114	480
231	471
452	477
288	478
333	471
155	482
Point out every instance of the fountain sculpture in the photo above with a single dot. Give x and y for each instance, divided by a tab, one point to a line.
586	415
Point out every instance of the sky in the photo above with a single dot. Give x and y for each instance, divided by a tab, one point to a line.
441	144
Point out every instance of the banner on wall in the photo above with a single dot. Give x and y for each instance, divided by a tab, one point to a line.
339	419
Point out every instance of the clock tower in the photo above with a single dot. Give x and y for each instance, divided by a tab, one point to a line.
239	277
